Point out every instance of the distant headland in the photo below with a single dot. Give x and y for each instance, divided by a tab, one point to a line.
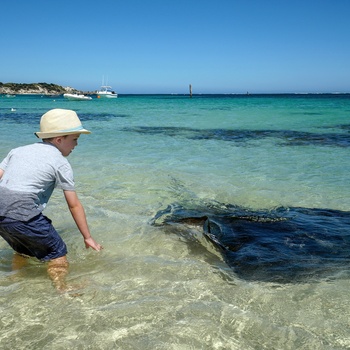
34	88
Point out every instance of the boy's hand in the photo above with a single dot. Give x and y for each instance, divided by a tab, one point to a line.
90	243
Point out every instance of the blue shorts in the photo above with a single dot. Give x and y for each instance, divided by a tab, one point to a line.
36	237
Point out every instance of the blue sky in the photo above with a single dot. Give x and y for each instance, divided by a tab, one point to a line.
160	46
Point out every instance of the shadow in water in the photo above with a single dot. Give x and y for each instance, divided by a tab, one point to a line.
286	245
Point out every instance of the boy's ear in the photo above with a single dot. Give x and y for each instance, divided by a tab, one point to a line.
57	139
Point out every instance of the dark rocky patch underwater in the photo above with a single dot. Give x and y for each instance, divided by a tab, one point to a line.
285	245
242	137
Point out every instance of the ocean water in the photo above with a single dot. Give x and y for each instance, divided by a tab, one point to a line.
154	289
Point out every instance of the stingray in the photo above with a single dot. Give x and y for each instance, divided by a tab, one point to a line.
284	245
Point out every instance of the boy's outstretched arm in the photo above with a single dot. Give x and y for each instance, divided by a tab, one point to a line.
78	213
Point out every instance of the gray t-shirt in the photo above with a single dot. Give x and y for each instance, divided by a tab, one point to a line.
30	175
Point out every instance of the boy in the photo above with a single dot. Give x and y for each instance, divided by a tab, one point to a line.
28	176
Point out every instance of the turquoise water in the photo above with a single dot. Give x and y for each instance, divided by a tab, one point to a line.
152	290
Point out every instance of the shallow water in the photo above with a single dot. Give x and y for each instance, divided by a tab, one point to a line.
151	289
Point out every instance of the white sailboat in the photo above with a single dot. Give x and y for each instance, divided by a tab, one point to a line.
106	92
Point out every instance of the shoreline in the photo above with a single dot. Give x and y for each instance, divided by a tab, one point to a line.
172	95
50	89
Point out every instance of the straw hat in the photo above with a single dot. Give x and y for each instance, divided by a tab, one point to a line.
60	122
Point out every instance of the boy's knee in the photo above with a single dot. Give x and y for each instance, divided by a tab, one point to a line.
58	262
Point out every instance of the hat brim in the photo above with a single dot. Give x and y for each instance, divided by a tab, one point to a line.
48	135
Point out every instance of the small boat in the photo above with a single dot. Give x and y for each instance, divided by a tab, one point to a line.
77	97
106	92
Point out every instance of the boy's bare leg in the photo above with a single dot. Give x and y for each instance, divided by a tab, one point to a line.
57	270
19	261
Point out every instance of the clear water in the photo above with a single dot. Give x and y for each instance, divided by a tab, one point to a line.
152	290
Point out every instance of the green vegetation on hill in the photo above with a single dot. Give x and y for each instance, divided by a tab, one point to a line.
31	88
